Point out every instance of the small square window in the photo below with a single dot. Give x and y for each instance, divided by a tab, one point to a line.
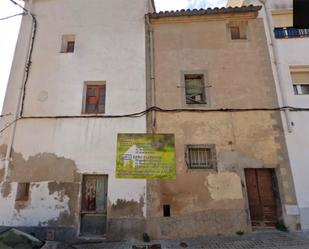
68	44
22	193
235	33
238	30
195	89
95	98
201	156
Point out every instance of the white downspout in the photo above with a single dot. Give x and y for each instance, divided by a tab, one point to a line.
281	95
152	74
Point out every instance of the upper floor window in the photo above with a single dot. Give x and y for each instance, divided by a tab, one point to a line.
238	30
300	80
68	44
195	89
95	97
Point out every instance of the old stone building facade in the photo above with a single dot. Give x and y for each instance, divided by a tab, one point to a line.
214	81
96	70
57	168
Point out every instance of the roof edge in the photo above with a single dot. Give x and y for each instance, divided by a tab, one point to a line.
209	11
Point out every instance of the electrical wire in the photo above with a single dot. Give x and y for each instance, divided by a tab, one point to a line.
7	126
158	109
20	6
29	59
4	115
29	62
8	17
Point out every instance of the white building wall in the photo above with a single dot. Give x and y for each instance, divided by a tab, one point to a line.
293	52
110	47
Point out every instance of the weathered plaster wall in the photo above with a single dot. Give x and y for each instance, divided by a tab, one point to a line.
53	154
240	76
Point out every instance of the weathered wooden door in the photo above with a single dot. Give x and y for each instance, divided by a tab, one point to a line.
94	198
261	195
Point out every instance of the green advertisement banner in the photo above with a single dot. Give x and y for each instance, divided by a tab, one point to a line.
146	156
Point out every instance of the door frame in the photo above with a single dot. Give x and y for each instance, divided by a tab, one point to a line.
277	194
80	211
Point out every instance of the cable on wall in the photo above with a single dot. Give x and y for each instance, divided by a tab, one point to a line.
8	17
158	109
29	59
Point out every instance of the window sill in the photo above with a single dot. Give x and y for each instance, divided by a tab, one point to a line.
93	114
211	170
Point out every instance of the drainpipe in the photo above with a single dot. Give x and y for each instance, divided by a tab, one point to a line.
152	74
17	116
281	94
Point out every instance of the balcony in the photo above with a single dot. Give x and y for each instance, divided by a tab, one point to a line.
290	32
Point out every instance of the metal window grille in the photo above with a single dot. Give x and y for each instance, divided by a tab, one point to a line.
290	32
201	156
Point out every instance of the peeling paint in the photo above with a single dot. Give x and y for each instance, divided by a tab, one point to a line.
70	191
42	167
43	207
224	186
6	189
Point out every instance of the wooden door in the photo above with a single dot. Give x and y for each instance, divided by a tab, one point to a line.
94	199
261	196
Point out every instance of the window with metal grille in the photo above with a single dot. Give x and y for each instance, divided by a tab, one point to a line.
195	89
201	156
22	193
290	32
95	98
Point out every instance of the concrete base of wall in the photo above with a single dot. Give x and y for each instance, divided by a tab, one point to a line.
125	229
304	218
122	229
208	222
59	233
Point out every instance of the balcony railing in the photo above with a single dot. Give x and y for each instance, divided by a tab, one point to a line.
290	32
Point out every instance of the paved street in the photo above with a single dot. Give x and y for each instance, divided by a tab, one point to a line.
256	240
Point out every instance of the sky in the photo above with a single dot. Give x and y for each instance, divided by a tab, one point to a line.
9	30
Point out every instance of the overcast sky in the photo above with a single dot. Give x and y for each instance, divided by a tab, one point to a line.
9	30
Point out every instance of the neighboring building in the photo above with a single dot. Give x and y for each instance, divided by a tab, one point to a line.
58	161
213	79
291	70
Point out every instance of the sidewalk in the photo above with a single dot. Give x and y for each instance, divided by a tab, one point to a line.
256	240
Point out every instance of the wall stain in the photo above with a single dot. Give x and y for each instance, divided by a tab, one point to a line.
124	208
2	157
42	167
71	190
6	189
1	175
